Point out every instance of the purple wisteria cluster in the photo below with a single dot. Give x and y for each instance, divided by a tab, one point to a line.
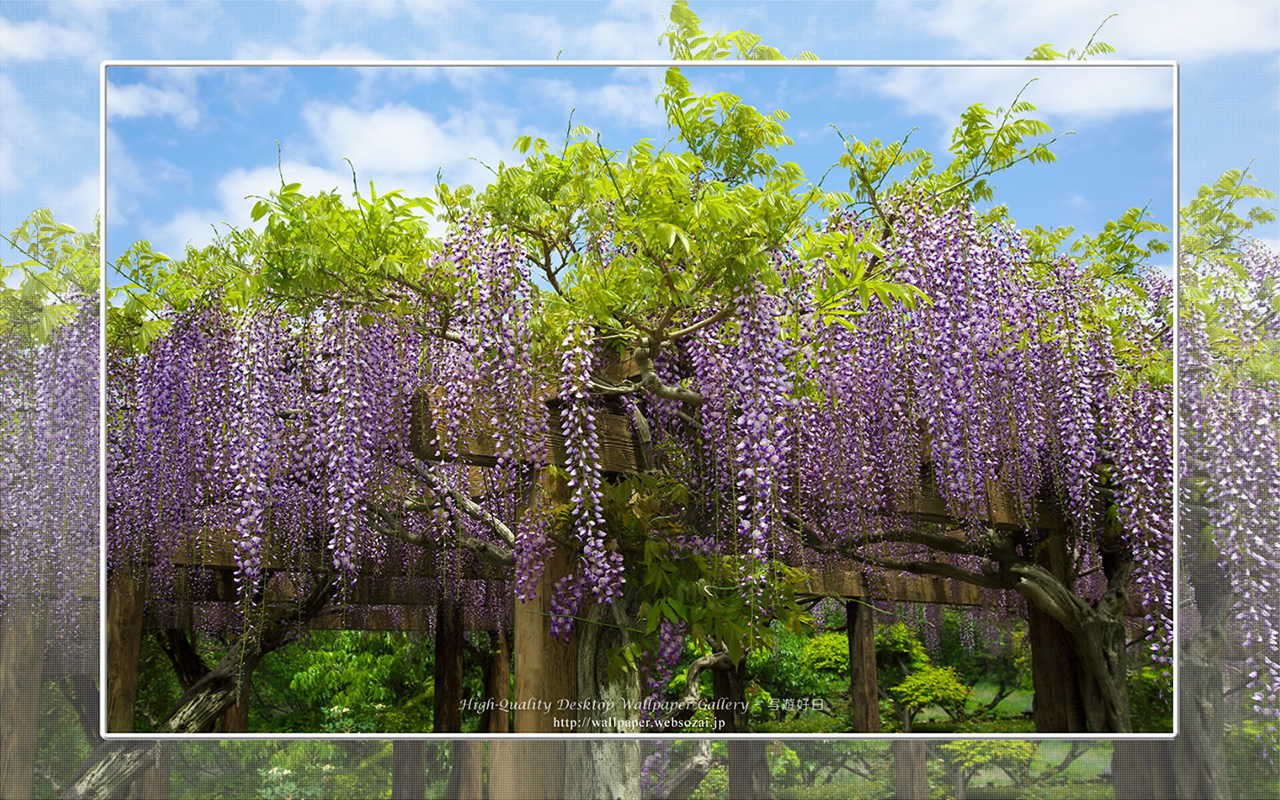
49	468
270	435
601	573
999	392
1230	416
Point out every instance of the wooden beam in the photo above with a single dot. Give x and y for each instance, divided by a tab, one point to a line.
844	582
617	452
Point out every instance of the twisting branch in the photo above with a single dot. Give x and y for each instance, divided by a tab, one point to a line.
937	541
684	709
723	313
992	581
464	503
1038	585
643	358
386	523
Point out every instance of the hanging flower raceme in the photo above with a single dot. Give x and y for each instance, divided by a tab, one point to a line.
49	467
602	567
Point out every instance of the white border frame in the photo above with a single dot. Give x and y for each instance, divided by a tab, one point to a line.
790	64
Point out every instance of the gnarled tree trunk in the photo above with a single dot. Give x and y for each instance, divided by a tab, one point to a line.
112	766
608	767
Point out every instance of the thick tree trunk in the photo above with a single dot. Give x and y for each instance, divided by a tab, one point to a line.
112	766
409	769
124	642
236	719
864	693
497	682
911	777
1200	749
466	774
608	767
748	769
748	758
154	784
1058	704
684	779
22	638
448	666
1140	770
527	770
1101	648
1097	635
1059	697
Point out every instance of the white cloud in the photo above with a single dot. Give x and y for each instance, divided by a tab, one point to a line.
275	51
236	193
398	141
38	39
1182	29
16	134
1062	95
77	204
35	141
628	99
143	100
626	30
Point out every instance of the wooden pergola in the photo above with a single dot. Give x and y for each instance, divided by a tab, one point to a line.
394	599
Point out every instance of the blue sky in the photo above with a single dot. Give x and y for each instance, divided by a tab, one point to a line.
187	145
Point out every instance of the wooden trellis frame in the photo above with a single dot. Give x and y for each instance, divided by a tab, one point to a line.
544	667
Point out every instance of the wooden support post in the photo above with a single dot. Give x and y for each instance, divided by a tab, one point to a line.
409	769
236	719
466	775
545	673
1059	703
864	691
546	668
448	667
1142	770
125	596
22	635
748	758
528	769
497	717
154	783
910	772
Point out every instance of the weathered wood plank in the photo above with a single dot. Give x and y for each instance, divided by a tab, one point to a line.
843	582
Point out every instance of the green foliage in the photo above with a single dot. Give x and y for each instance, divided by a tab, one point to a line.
1004	664
352	681
932	686
697	591
1248	743
1151	700
785	674
688	42
61	265
1045	52
828	652
898	653
1216	287
1011	756
714	786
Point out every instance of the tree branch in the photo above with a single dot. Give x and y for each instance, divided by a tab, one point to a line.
464	503
390	526
687	705
643	358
